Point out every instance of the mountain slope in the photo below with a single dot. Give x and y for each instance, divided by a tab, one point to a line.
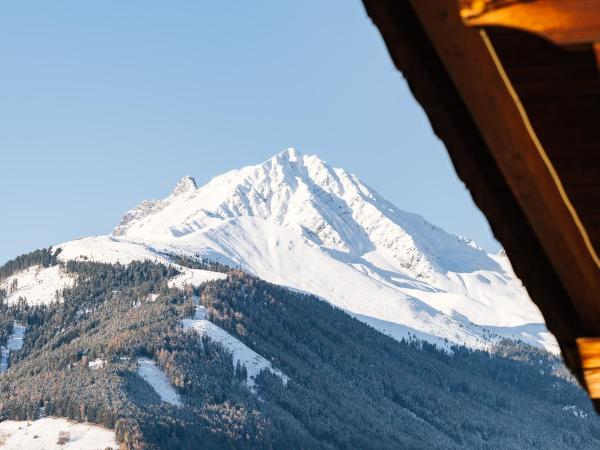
122	350
296	221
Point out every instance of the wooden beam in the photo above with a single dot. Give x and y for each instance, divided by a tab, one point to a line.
564	22
560	90
415	57
589	351
478	75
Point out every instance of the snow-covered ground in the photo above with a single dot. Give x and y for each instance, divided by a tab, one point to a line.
155	377
296	221
38	285
15	342
241	353
96	364
577	412
43	434
195	277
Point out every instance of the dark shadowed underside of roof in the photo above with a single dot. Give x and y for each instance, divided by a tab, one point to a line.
520	118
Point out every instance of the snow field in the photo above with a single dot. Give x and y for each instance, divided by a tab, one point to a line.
155	377
43	434
15	342
241	353
37	284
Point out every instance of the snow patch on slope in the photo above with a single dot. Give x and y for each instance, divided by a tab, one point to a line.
195	277
97	364
14	343
113	250
38	285
577	412
109	250
241	353
43	434
155	377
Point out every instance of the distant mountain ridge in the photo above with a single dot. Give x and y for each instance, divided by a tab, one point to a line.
295	220
328	206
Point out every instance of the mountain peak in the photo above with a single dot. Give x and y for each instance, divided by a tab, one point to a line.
185	185
328	207
290	154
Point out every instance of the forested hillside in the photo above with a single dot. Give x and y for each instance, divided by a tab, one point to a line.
347	385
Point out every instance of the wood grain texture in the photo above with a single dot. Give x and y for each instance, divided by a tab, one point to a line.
589	351
470	59
518	213
414	55
564	22
560	90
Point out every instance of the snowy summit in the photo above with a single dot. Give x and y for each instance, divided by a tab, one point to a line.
297	221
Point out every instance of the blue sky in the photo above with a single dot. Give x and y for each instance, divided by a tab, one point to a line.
105	104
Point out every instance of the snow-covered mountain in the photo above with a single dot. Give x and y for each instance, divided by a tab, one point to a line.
295	220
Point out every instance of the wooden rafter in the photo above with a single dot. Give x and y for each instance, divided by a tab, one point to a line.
564	22
457	75
589	349
478	74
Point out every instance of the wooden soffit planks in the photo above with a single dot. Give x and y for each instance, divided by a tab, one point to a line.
564	22
589	351
478	75
559	88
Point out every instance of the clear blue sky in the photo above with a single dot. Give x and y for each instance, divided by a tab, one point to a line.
104	104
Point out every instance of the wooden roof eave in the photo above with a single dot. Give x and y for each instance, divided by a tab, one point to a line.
567	23
453	72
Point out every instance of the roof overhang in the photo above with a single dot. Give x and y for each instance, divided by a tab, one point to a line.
512	88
